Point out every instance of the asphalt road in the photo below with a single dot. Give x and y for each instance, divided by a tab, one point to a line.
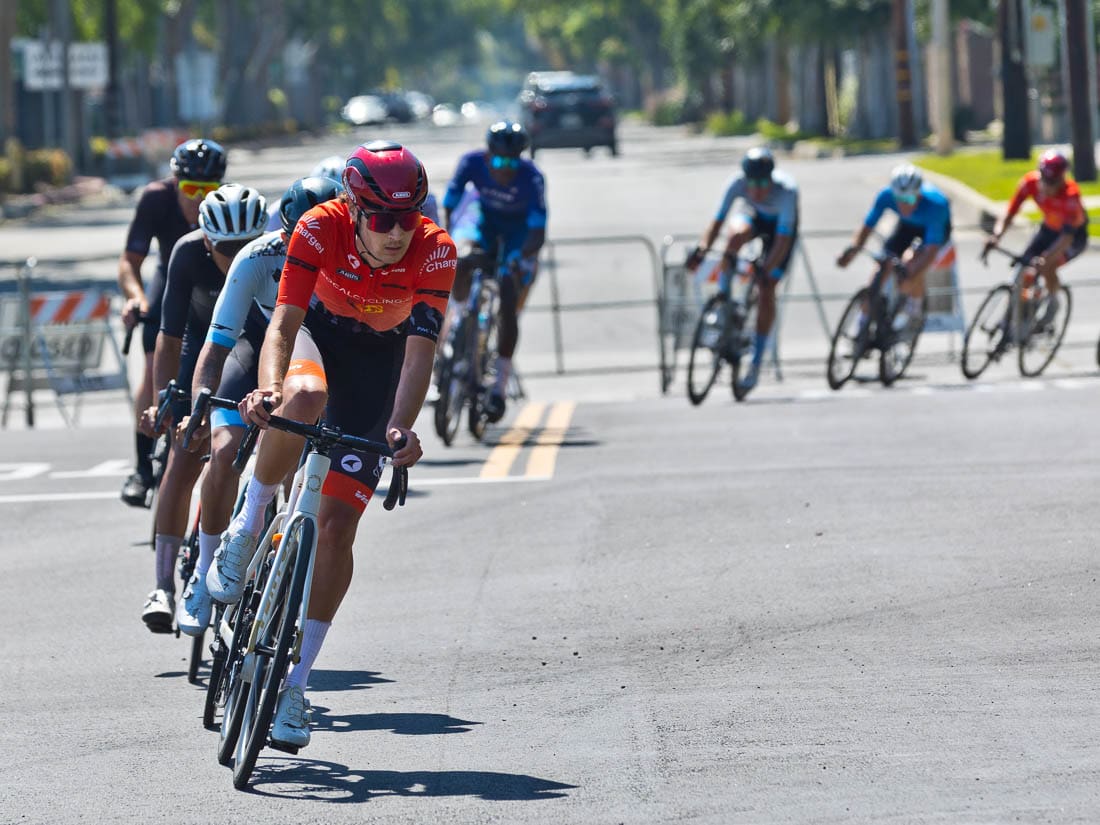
865	606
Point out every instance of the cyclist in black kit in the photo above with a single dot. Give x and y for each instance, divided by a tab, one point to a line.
229	218
168	209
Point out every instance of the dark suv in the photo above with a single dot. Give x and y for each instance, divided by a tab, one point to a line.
562	109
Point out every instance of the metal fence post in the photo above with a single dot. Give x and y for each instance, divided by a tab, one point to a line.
26	323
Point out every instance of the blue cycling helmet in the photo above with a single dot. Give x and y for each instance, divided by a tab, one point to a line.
303	195
507	138
758	163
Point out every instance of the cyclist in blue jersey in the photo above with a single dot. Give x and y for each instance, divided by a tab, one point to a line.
512	196
773	200
924	216
228	363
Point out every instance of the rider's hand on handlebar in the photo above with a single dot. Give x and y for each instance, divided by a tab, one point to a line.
990	245
408	455
147	422
845	257
132	311
694	258
199	438
252	409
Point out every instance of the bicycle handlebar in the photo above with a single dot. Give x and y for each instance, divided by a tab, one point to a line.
325	435
169	394
141	319
1016	259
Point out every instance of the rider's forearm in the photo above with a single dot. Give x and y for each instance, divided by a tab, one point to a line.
278	346
166	360
861	236
416	374
129	276
924	259
710	236
208	370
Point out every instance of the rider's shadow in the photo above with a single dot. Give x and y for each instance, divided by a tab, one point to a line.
406	724
333	782
325	680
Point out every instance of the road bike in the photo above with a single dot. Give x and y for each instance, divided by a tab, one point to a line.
1017	314
162	446
868	326
724	333
261	633
467	359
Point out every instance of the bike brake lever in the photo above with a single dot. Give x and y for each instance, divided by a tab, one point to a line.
399	482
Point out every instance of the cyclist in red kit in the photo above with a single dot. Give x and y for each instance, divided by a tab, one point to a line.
361	300
1064	233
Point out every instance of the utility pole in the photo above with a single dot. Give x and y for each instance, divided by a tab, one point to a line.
900	24
1077	34
8	115
941	40
63	29
111	103
1016	140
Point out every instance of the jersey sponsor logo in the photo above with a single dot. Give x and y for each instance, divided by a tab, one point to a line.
365	308
377	472
441	258
353	261
310	239
351	276
312	223
363	497
352	463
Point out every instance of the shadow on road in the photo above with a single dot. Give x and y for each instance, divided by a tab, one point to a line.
345	679
407	724
333	782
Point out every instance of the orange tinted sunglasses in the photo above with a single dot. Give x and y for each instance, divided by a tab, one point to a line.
194	189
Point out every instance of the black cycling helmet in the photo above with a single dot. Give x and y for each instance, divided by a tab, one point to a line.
303	195
198	159
507	138
758	163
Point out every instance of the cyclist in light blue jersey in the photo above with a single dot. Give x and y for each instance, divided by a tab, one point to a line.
773	200
923	229
512	195
228	361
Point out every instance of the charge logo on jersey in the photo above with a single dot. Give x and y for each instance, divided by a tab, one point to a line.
441	258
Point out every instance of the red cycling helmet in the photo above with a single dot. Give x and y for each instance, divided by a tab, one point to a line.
385	176
1052	164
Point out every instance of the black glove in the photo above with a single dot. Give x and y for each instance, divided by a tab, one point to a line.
695	257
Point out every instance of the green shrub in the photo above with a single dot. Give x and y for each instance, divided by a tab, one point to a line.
5	176
668	113
47	166
731	123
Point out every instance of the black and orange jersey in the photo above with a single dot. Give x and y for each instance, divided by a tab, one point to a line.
324	271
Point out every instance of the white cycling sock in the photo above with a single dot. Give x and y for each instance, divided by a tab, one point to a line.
504	372
208	543
256	499
167	548
313	636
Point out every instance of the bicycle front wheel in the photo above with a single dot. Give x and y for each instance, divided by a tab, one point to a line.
274	645
986	338
485	354
705	361
850	342
452	384
898	355
1047	329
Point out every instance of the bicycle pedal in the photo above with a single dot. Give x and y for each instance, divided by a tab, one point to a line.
283	746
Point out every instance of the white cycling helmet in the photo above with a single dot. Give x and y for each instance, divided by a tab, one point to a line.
233	213
331	167
906	180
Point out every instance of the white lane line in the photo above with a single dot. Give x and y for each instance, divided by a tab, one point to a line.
113	467
414	485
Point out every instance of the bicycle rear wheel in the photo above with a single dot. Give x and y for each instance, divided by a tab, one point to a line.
896	357
705	361
452	383
1046	331
485	355
215	684
272	652
162	446
849	344
986	338
741	336
233	690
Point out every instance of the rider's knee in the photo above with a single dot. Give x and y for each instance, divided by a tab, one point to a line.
304	397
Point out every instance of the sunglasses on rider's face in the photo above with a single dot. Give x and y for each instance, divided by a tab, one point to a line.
760	183
383	222
908	200
229	248
195	189
504	162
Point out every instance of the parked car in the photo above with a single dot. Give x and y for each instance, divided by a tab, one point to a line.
364	110
563	109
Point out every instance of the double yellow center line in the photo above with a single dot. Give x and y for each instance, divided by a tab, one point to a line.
544	455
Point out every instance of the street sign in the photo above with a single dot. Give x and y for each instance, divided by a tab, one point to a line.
42	65
1042	38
